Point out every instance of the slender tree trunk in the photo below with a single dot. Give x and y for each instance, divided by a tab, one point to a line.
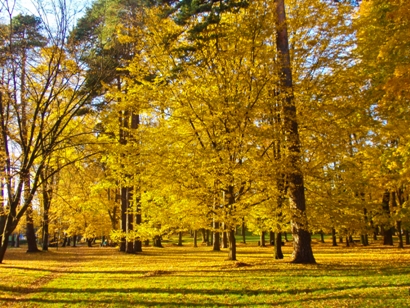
272	238
179	238
347	241
3	246
334	242
17	240
124	206
224	239
302	250
262	239
400	234
322	237
407	236
74	240
387	233
138	221
30	233
130	226
243	231
217	243
232	245
278	254
195	238
203	235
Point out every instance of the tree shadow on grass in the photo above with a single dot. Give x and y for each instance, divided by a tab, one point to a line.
102	296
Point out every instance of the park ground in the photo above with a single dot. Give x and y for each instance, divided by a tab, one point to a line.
374	276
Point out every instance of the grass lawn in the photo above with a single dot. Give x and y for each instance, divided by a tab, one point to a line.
374	276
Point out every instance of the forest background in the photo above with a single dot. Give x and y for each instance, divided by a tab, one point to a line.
144	119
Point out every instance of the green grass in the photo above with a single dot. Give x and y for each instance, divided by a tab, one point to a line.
374	276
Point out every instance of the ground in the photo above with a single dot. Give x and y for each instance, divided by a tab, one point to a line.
374	276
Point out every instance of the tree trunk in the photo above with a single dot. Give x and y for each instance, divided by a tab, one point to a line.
30	233
347	241
262	239
130	226
3	246
407	236
124	207
272	238
195	238
179	238
334	242
278	254
203	235
17	240
217	243
138	221
232	245
74	240
322	237
243	232
224	239
302	250
387	233
400	234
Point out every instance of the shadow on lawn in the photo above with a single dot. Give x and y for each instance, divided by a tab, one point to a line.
102	296
209	292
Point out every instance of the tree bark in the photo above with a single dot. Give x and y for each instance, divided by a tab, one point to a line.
334	241
30	233
217	243
302	250
262	239
124	207
195	238
243	231
407	236
387	233
278	254
400	235
322	237
179	238
232	245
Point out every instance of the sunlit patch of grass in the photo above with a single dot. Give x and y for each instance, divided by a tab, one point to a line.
373	276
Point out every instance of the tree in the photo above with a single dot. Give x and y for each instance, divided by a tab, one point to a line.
53	98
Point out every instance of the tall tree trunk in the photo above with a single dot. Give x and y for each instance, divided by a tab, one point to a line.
195	238
387	232
138	221
243	231
179	238
302	250
17	240
216	241
3	246
232	245
224	239
407	236
278	254
130	227
334	242
124	207
322	237
30	233
271	238
400	234
262	239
